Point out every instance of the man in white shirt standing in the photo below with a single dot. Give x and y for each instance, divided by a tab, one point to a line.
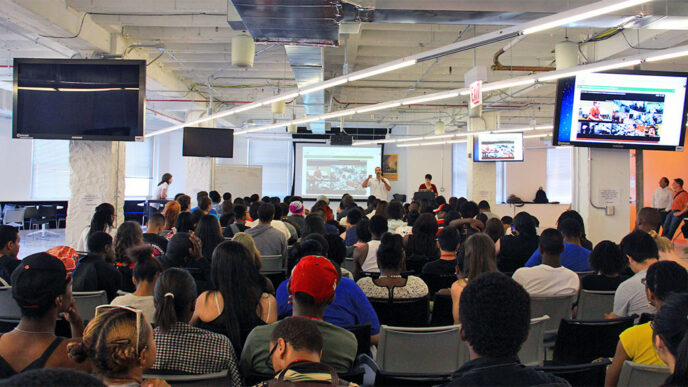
662	198
548	278
378	186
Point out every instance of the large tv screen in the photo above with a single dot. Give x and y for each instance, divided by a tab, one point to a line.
498	147
208	142
79	99
622	109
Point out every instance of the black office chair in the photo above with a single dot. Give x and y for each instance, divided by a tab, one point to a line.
437	282
411	312
441	311
582	341
589	374
362	333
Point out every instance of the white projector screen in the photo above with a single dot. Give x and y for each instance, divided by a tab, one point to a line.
333	170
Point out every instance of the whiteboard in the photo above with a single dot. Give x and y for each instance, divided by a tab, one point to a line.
239	180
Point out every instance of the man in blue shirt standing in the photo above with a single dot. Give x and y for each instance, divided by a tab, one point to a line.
574	257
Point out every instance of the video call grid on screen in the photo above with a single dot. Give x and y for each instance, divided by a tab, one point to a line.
334	170
626	109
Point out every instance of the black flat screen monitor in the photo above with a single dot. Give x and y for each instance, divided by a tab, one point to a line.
498	147
75	99
208	142
622	109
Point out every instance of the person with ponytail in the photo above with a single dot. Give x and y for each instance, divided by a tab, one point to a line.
237	302
670	337
118	342
170	212
129	234
103	220
146	271
180	346
42	290
663	279
163	186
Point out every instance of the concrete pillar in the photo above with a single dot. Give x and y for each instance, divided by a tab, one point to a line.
97	171
482	177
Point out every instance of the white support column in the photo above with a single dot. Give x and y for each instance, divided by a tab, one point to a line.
96	176
482	177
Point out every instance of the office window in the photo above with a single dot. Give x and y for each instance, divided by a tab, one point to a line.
138	175
276	159
50	170
559	174
459	163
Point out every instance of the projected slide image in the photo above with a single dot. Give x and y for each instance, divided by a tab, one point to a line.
613	117
327	177
498	150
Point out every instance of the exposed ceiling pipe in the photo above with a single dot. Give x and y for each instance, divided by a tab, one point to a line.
498	66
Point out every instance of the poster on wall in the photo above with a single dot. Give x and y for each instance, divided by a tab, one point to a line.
390	167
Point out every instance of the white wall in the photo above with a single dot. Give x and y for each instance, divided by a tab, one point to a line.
523	179
15	175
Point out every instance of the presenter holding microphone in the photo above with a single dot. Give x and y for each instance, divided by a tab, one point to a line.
378	185
428	186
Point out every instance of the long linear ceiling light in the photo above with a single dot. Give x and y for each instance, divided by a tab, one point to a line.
563	18
456	138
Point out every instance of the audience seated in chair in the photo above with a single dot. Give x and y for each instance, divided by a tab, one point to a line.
608	262
146	271
420	244
208	230
514	250
312	288
296	347
129	234
663	279
297	211
549	278
439	270
95	271
671	338
239	224
102	220
170	212
641	252
236	302
119	344
365	255
494	228
9	249
495	318
154	226
353	218
479	258
184	251
42	290
391	284
574	257
250	244
350	306
269	240
181	347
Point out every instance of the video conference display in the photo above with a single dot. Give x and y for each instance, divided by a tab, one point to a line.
334	170
622	110
498	147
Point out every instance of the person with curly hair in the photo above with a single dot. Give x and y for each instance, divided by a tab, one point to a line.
129	234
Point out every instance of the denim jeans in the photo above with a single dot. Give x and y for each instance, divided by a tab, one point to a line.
671	224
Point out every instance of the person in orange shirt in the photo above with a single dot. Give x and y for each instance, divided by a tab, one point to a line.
679	208
594	113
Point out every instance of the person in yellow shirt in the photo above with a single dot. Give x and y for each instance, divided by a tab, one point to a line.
663	279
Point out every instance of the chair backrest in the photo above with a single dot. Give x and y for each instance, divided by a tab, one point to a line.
640	375
402	312
272	264
362	333
556	307
350	251
9	309
592	305
584	341
582	274
441	310
589	374
14	215
47	211
86	302
437	282
532	351
348	264
31	212
436	350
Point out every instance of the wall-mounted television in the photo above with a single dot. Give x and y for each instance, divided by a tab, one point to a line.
622	109
208	142
76	99
498	147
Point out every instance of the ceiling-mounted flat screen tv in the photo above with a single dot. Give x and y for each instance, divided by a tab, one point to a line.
498	147
622	109
208	142
76	99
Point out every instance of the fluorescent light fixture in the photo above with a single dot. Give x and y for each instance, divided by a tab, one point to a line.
537	135
591	69
407	145
336	114
367	142
409	139
324	85
457	142
37	88
87	90
381	106
595	9
667	56
280	98
434	143
428	98
509	130
381	69
438	137
507	84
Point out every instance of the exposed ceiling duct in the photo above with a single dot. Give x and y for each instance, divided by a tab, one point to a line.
307	64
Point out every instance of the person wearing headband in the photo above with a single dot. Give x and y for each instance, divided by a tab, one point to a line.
180	346
42	290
